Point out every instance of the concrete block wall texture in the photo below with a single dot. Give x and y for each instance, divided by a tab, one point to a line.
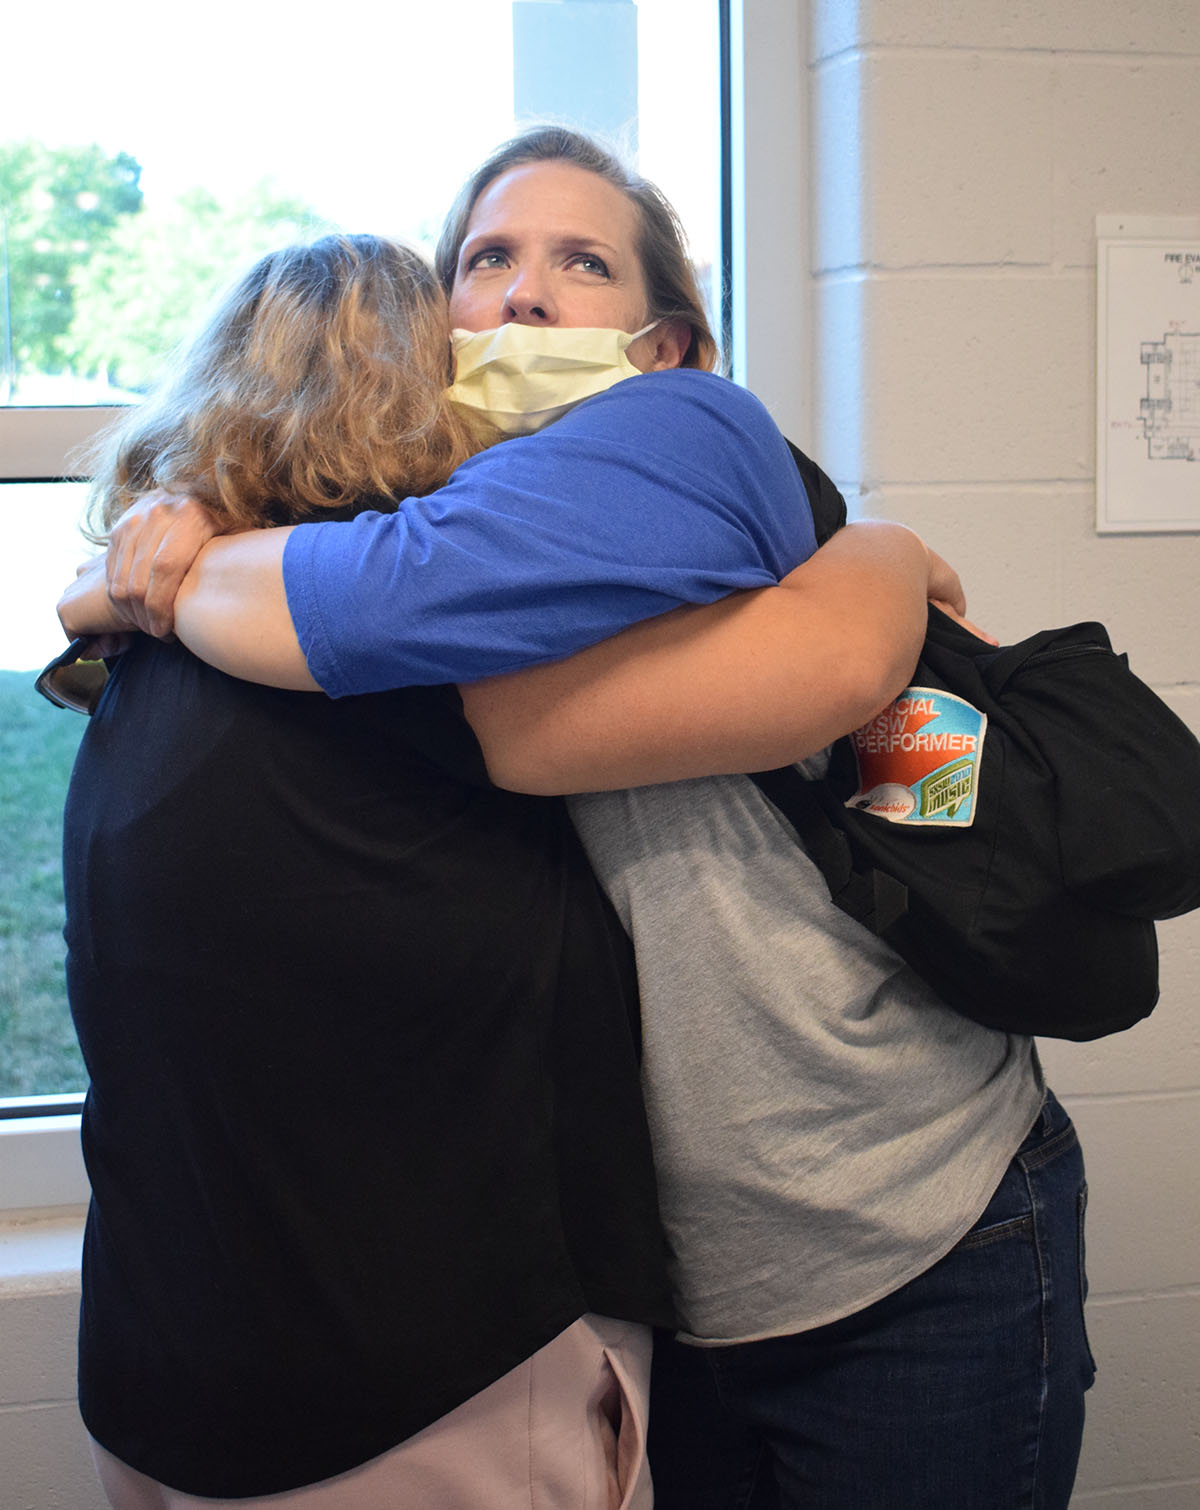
45	1463
960	154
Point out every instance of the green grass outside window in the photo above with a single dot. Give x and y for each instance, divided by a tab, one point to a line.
38	1053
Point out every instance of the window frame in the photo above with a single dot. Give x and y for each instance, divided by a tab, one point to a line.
37	444
767	278
41	1162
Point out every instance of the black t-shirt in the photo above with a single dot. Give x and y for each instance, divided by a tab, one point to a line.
364	1128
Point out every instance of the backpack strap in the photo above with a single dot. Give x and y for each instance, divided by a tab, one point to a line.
871	897
827	504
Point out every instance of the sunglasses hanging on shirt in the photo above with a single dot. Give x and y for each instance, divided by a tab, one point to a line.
72	680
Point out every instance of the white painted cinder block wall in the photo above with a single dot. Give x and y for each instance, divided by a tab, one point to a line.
44	1459
959	155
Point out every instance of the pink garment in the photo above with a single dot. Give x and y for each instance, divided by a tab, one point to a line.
565	1430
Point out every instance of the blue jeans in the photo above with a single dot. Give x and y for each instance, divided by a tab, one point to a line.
961	1391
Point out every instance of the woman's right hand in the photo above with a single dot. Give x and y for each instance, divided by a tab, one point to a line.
945	591
944	587
151	549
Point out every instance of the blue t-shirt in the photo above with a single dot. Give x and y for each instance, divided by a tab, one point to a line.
668	488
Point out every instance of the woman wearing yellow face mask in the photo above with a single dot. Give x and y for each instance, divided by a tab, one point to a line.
521	381
854	1179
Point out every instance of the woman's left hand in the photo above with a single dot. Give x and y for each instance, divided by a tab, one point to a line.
151	550
86	611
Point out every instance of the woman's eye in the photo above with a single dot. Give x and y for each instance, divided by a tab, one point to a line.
490	258
588	263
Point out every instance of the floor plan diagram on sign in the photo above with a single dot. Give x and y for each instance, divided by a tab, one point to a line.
1171	407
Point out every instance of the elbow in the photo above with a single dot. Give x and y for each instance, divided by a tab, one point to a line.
518	748
511	773
515	764
875	673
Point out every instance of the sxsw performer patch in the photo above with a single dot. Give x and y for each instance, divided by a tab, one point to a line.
918	760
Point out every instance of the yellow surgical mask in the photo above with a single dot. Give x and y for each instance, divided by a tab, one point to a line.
523	377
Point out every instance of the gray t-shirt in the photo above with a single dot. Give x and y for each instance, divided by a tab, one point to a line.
824	1128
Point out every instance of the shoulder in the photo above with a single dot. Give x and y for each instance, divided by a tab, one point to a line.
654	426
682	394
683	415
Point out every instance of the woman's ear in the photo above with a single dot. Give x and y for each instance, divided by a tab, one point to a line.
667	345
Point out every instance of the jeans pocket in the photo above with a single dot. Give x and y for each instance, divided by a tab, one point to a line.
1052	1134
984	1233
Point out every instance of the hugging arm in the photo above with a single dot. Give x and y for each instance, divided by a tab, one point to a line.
755	681
639	500
646	497
231	610
751	682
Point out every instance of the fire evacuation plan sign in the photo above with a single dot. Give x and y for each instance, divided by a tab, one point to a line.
1148	374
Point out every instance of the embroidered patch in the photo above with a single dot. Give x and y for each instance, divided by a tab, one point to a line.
918	760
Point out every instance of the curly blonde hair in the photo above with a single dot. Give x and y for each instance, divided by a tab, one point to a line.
318	382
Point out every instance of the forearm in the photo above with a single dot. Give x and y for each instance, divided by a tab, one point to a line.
755	681
232	611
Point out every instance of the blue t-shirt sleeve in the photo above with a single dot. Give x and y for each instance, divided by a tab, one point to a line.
669	488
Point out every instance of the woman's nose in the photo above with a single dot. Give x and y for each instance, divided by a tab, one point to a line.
528	301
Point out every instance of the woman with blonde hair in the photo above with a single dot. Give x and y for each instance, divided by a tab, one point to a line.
317	381
364	1134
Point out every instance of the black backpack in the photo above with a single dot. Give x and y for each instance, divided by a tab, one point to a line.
1012	825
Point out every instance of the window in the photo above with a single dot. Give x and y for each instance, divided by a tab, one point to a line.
123	208
39	527
131	188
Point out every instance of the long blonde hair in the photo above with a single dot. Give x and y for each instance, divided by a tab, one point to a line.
319	381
